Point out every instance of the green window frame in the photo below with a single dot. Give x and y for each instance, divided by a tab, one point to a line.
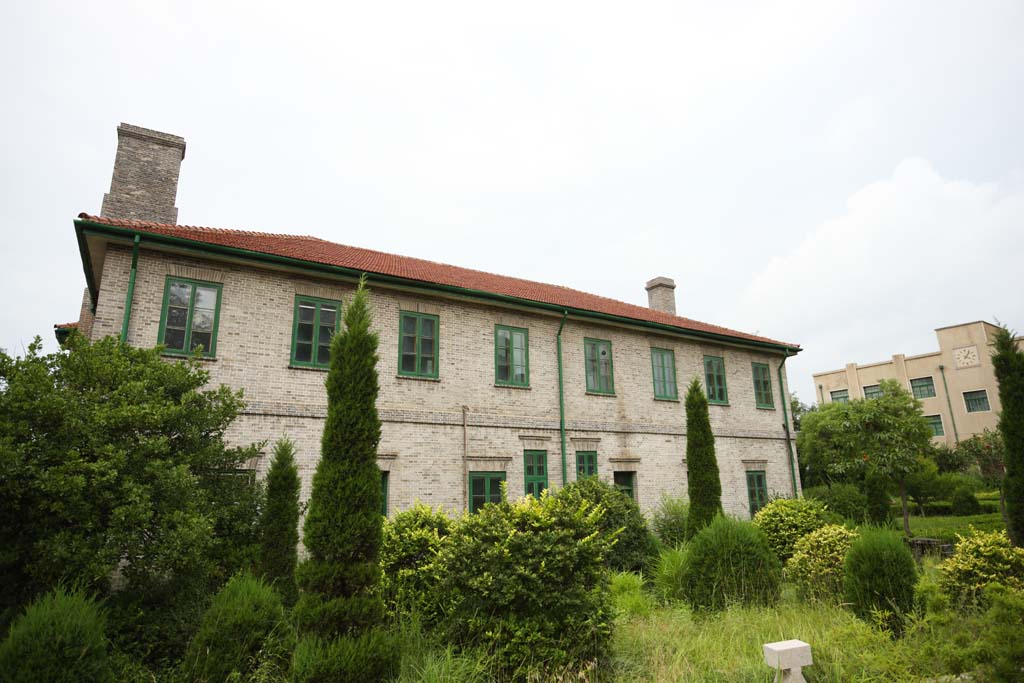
976	401
757	490
872	391
763	386
923	387
511	356
418	335
189	316
663	366
600	371
484	488
586	464
384	477
714	380
314	323
840	396
935	422
535	470
626	482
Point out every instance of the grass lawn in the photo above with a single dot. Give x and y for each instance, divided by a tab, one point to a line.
946	528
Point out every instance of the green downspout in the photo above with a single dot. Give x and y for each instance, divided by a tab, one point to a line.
131	289
785	428
561	396
949	403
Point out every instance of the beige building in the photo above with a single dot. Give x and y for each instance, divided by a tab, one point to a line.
483	378
956	384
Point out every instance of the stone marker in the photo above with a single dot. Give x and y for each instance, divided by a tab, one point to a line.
788	657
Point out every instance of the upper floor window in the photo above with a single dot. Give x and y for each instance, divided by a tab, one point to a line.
511	356
976	401
763	386
598	355
663	362
872	391
189	317
935	422
840	396
417	345
923	387
714	379
314	325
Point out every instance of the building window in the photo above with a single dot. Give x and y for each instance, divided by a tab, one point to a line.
598	354
977	401
511	356
757	490
626	482
384	492
314	325
484	488
189	317
923	387
663	363
935	422
714	379
840	396
535	465
872	391
763	386
417	356
586	464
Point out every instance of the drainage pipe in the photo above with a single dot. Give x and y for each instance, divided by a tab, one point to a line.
949	403
561	395
785	428
131	288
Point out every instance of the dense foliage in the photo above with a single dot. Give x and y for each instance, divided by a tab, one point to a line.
816	567
370	655
703	486
412	540
981	559
879	575
786	520
668	522
1008	361
279	523
963	502
622	520
845	500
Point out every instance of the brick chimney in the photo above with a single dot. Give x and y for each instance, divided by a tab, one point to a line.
661	295
145	181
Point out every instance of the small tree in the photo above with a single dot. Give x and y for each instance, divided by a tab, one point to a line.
702	483
1008	360
279	523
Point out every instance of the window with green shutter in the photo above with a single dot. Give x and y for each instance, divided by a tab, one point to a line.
626	482
484	488
976	401
313	326
598	357
763	386
511	356
188	320
840	396
417	350
384	476
714	380
935	422
923	387
757	490
535	466
663	364
872	391
586	464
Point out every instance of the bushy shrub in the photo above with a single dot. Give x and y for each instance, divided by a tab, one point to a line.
372	655
816	566
728	562
1001	643
279	523
629	596
669	520
963	502
879	575
527	582
245	622
634	547
668	573
412	540
785	520
60	637
981	559
845	500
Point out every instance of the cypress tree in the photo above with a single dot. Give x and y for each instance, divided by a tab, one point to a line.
279	523
1008	360
702	483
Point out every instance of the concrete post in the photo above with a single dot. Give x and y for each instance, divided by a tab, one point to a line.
788	657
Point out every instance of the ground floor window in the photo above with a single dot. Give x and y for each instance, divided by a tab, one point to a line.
935	422
626	482
384	493
586	464
535	465
757	490
484	488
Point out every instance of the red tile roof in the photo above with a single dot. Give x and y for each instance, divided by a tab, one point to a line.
65	326
316	250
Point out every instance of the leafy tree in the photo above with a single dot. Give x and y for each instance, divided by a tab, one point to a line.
799	409
279	523
924	484
987	451
702	483
1008	360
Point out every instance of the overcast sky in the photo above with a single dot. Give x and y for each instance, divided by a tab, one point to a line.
848	176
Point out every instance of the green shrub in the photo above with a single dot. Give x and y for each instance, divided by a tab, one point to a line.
703	484
668	573
629	596
371	655
879	578
728	562
1001	643
816	566
411	542
245	623
877	489
845	500
279	523
669	520
786	520
634	548
963	502
981	559
60	637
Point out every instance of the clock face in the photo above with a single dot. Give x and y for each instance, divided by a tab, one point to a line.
966	356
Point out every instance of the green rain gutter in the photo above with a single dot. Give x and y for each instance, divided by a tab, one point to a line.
785	428
131	288
949	403
561	395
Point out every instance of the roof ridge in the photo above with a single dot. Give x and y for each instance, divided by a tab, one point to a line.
134	223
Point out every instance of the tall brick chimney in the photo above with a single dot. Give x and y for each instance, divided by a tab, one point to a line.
661	295
145	181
